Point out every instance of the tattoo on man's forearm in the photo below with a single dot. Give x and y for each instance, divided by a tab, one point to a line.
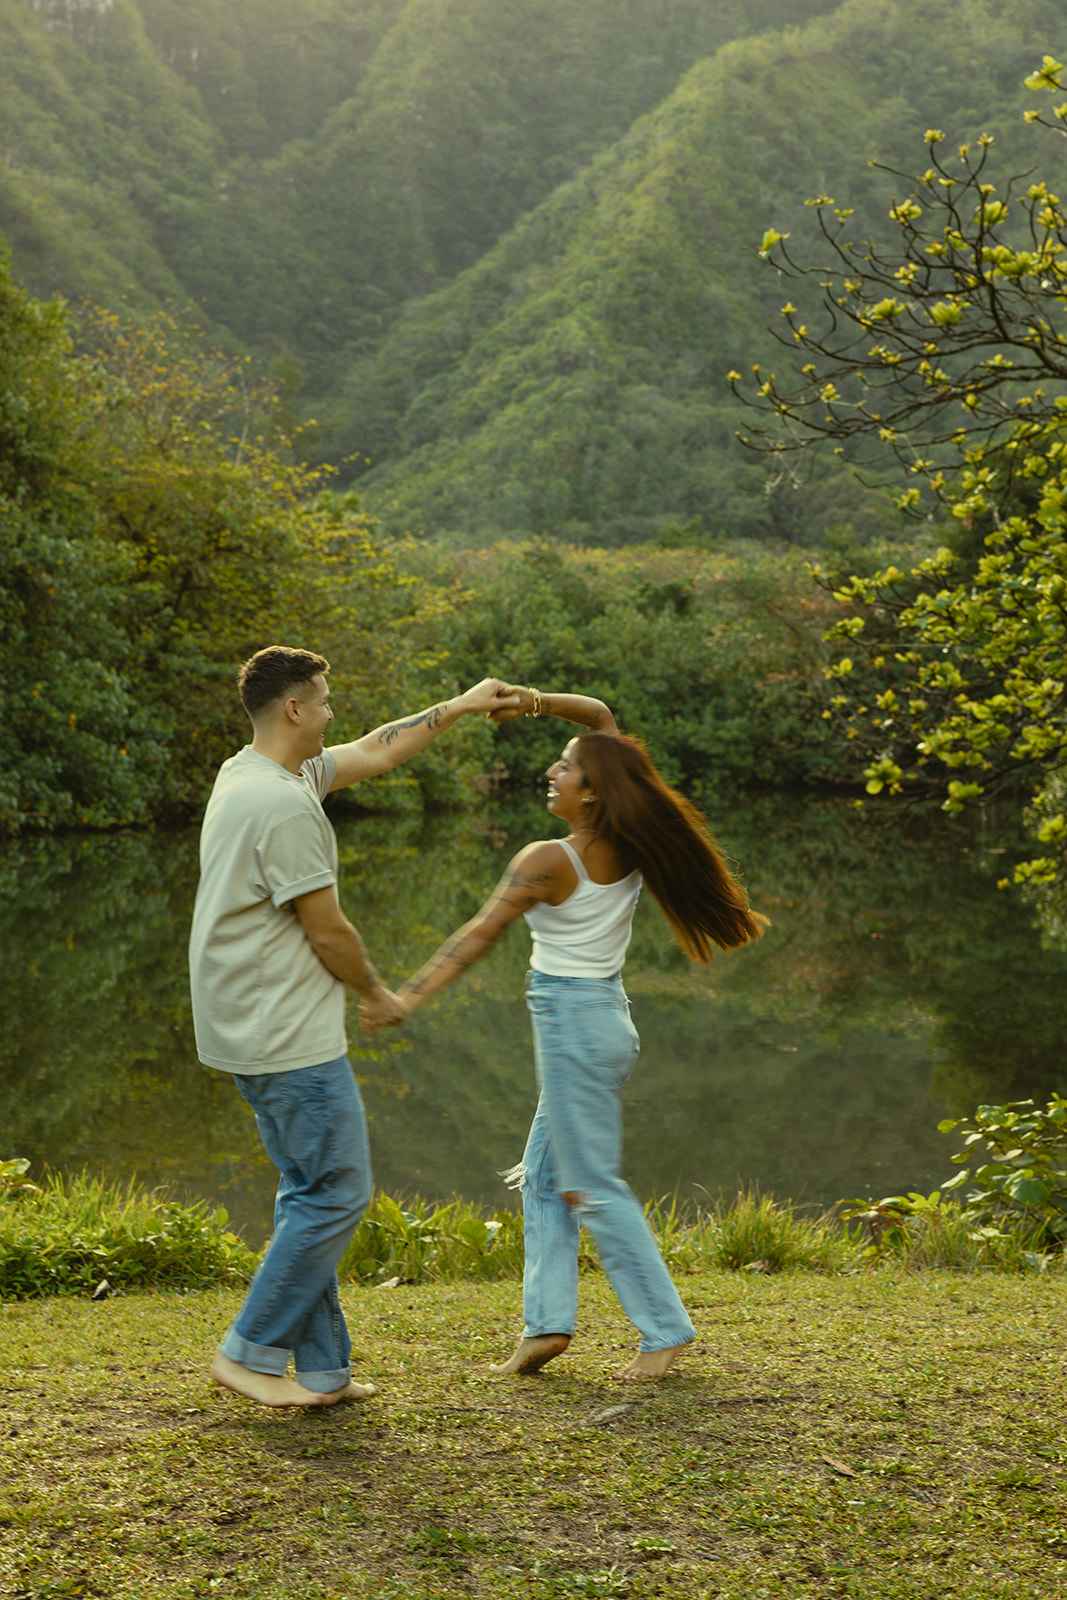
431	718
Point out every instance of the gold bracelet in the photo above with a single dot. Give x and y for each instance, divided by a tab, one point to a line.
536	709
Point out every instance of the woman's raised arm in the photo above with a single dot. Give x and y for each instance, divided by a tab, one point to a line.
581	708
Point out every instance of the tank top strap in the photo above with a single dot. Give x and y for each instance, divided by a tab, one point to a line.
576	861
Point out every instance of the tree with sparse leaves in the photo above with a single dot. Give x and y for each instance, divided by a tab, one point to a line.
944	357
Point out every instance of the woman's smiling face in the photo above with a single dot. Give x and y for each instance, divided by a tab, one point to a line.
568	788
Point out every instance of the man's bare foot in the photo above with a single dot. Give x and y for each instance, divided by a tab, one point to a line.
351	1391
651	1363
532	1354
264	1387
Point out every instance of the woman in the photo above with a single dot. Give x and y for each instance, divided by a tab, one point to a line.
578	897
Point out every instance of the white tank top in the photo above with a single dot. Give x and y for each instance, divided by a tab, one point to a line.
586	936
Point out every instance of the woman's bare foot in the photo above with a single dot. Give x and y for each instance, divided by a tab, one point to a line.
264	1387
651	1363
532	1354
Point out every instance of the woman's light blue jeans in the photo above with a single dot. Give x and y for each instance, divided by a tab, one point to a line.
585	1047
314	1129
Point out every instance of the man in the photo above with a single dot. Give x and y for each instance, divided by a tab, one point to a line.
270	955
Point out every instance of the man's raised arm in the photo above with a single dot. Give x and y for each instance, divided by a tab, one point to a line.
386	747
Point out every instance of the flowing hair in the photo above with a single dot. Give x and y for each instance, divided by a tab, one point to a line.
658	831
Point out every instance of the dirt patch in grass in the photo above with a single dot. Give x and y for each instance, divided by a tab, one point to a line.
878	1437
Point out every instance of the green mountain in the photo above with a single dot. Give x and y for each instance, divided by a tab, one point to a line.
574	380
101	144
508	250
300	168
469	114
119	120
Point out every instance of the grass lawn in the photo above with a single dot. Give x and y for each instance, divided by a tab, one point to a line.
877	1435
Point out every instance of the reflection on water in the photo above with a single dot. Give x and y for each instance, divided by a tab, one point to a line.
896	984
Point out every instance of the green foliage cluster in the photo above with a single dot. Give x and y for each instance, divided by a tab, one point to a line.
751	1233
928	1233
153	533
73	1233
70	1233
712	656
1015	1212
1026	1176
414	1241
506	249
957	666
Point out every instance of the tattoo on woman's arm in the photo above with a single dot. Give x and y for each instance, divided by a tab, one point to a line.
526	883
450	955
431	718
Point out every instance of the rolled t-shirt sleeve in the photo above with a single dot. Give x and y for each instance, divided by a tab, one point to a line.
296	858
320	771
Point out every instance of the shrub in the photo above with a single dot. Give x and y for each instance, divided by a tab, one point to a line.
1025	1182
418	1243
925	1232
68	1234
751	1233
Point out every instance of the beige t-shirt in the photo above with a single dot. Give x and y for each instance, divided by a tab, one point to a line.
262	999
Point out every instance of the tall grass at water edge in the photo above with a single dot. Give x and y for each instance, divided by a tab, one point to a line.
71	1233
414	1241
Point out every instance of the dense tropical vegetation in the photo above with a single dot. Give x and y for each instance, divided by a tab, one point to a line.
495	264
154	532
506	253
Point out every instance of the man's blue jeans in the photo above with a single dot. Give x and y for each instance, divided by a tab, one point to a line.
585	1047
314	1129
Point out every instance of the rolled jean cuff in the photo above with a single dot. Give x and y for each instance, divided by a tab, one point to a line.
324	1382
268	1358
256	1357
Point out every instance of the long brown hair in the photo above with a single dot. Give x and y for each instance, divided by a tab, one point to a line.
657	830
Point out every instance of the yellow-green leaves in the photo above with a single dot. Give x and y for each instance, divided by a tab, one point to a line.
959	794
881	774
769	240
947	313
1047	76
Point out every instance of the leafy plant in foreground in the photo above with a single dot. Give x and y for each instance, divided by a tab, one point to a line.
14	1183
418	1242
928	1234
73	1231
1027	1175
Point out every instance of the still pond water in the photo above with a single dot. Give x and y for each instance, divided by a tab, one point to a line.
897	986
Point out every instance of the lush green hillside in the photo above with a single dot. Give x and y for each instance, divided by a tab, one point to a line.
302	169
102	146
119	120
470	113
574	380
580	184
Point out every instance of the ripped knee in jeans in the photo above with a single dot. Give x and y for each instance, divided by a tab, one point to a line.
515	1178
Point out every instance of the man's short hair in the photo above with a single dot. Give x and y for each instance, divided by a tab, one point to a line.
272	674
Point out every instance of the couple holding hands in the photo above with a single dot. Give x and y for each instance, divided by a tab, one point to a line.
271	954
